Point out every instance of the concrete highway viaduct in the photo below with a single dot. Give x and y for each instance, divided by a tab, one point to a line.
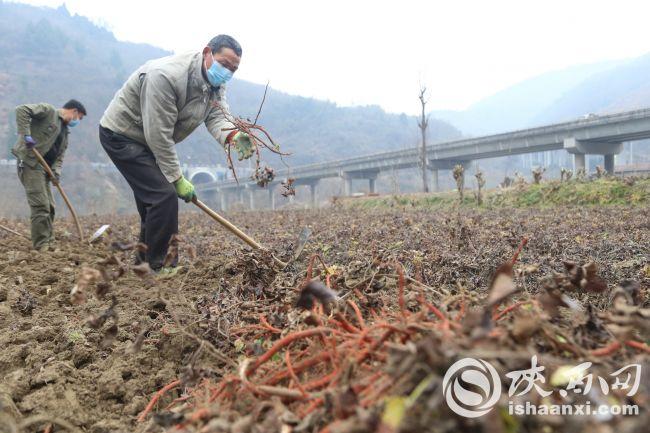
601	135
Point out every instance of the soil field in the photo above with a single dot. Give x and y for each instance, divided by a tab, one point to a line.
358	340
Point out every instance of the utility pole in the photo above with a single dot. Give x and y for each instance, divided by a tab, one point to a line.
423	123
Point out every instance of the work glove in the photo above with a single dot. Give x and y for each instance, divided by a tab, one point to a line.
243	145
185	189
30	143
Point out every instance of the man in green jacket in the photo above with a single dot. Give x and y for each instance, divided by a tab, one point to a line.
44	128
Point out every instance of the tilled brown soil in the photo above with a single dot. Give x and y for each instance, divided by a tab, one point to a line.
100	378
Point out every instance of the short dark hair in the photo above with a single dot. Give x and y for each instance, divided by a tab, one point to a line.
224	41
73	104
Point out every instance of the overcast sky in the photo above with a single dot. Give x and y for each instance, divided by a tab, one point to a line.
376	52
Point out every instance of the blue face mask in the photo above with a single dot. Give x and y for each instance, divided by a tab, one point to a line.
73	123
218	74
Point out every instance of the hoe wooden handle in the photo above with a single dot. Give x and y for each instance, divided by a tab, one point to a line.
233	229
49	172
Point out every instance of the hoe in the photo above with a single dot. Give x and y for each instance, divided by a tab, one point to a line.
304	235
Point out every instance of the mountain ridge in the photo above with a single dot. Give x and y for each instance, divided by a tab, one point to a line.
50	55
518	106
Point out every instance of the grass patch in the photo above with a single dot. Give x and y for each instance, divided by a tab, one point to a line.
598	192
76	336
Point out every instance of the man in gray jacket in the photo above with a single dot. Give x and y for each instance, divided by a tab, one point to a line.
160	105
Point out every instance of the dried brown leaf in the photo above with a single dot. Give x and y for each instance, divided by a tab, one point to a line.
591	282
109	336
172	252
87	276
139	340
111	260
96	322
191	252
584	277
524	326
122	246
502	285
551	299
142	270
77	295
315	290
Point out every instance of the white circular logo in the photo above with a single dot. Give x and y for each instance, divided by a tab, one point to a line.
483	380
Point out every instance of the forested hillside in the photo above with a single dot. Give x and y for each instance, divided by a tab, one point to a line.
49	55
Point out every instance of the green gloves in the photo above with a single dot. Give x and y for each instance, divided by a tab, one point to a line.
243	145
185	189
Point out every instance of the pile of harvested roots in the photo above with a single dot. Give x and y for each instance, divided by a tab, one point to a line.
349	363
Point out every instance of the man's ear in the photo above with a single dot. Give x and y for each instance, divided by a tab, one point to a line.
207	50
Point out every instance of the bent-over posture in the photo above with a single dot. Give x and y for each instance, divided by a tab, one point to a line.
44	128
160	105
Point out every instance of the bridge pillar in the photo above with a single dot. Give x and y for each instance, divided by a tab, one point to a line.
579	162
223	200
609	164
240	195
580	148
271	197
435	186
347	185
312	195
251	198
371	175
215	197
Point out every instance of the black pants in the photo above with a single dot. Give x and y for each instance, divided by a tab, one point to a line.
155	197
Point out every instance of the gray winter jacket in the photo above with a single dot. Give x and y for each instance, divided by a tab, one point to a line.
162	103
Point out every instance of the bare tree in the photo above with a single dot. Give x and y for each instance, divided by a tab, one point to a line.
507	182
459	177
520	181
480	182
423	123
537	174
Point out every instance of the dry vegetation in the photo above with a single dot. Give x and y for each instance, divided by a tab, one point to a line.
356	339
